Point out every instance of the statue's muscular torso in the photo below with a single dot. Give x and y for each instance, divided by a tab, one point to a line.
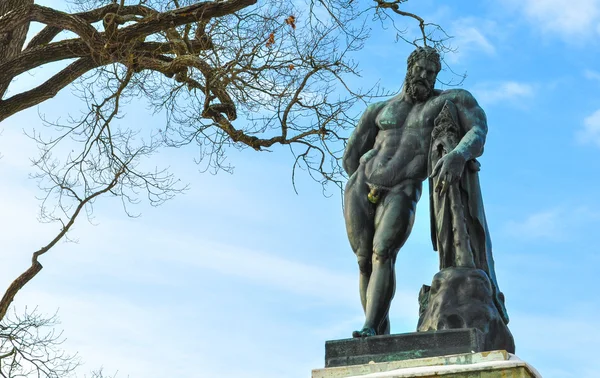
402	144
390	144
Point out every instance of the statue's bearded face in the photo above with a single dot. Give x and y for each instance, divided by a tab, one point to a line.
420	79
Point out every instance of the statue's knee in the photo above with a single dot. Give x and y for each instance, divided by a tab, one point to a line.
380	257
364	265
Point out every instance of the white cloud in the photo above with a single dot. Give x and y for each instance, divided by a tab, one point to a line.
545	224
112	332
576	21
469	34
592	75
472	38
274	271
590	133
508	91
557	224
542	337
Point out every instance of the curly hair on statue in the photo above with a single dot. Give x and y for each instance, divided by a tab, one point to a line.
425	52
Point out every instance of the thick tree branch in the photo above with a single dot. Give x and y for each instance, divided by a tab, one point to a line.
11	40
181	16
181	64
17	285
46	90
108	47
76	48
51	17
36	57
47	34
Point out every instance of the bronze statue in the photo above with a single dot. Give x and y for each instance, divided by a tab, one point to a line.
398	143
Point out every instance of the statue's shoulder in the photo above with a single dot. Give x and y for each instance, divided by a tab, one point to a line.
376	106
457	96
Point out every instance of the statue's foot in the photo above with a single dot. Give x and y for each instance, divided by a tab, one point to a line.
365	332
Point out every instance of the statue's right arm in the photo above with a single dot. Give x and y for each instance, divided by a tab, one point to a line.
362	138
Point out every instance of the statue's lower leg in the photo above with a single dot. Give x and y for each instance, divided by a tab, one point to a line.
363	285
384	327
365	269
380	292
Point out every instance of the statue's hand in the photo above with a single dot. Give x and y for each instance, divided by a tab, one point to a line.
367	156
449	169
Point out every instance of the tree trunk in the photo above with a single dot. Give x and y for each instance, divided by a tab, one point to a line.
11	41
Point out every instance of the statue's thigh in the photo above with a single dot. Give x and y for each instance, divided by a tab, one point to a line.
394	220
359	215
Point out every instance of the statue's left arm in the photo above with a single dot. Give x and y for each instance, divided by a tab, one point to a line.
473	121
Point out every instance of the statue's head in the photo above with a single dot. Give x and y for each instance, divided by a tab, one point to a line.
423	66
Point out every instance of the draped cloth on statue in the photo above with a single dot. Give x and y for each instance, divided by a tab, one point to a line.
459	229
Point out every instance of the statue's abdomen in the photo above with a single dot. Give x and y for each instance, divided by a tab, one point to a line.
401	155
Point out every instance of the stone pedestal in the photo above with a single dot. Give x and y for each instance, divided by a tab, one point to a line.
495	364
403	346
455	353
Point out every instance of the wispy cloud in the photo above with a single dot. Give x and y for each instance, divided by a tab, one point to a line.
124	336
549	335
508	91
556	224
469	34
590	132
544	224
111	334
575	22
274	271
592	75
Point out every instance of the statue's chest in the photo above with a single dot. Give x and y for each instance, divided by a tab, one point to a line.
412	120
394	115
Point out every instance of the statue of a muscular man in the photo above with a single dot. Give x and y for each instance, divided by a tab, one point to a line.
387	160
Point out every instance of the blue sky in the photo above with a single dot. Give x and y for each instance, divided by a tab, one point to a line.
242	277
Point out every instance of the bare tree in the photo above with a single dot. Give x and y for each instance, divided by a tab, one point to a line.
226	73
30	346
